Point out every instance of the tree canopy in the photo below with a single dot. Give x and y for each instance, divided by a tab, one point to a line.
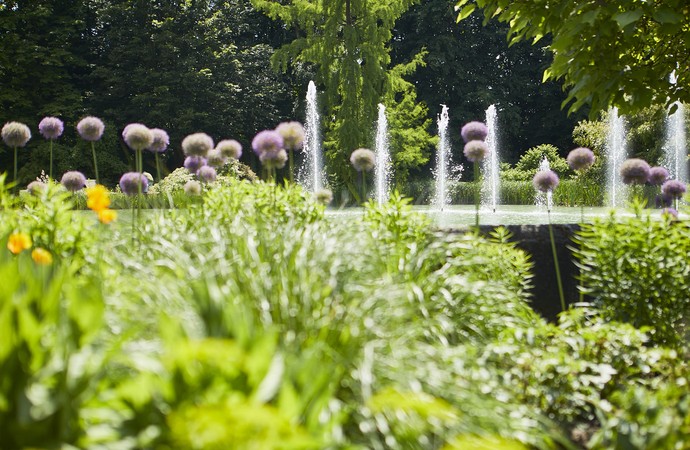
607	53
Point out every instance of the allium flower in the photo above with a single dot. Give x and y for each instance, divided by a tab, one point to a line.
215	158
194	163
15	134
635	171
197	144
137	136
545	180
51	127
36	187
657	175
106	216
131	181
18	242
73	180
160	142
580	158
670	212
293	135
274	160
474	131
192	187
97	198
267	141
230	148
41	256
207	174
363	159
673	188
90	128
476	150
323	196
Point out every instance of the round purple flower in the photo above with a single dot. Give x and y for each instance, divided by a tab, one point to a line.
230	148
274	160
292	133
15	134
192	187
476	150
580	158
73	180
131	181
657	175
197	144
363	159
545	180
160	142
207	174
194	163
137	136
673	188
215	158
36	187
474	131
51	127
635	171
670	212
267	141
90	128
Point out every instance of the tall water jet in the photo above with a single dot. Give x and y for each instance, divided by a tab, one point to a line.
311	172
383	160
615	155
491	186
544	199
675	145
443	156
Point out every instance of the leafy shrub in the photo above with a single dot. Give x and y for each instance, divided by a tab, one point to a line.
636	270
530	161
176	180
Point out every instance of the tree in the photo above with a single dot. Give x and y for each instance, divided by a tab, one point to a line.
606	53
347	41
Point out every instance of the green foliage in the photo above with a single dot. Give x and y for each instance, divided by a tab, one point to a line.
635	269
529	163
175	181
570	192
621	64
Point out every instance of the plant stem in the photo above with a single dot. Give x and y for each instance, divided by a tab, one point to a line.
555	263
95	164
15	166
158	168
476	194
364	186
50	172
290	160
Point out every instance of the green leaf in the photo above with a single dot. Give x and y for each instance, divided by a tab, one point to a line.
466	11
667	15
626	18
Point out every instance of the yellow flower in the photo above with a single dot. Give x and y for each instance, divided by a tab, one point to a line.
41	256
18	242
107	215
97	198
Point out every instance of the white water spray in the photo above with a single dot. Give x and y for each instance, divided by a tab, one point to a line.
443	155
382	168
675	145
490	188
544	199
311	172
615	155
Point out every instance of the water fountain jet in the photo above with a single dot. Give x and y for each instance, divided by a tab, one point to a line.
443	155
675	145
383	162
615	155
311	172
490	188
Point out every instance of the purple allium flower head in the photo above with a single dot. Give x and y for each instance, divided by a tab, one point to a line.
36	187
474	131
90	128
292	133
215	158
15	134
51	127
194	163
137	136
545	180
476	150
230	148
197	144
657	175
267	141
635	171
323	196
207	174
130	182
192	187
580	158
274	160
160	142
363	159
73	180
673	188
670	212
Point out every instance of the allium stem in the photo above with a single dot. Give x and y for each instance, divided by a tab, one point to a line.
555	263
15	165
476	194
95	164
158	168
364	187
291	166
50	172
